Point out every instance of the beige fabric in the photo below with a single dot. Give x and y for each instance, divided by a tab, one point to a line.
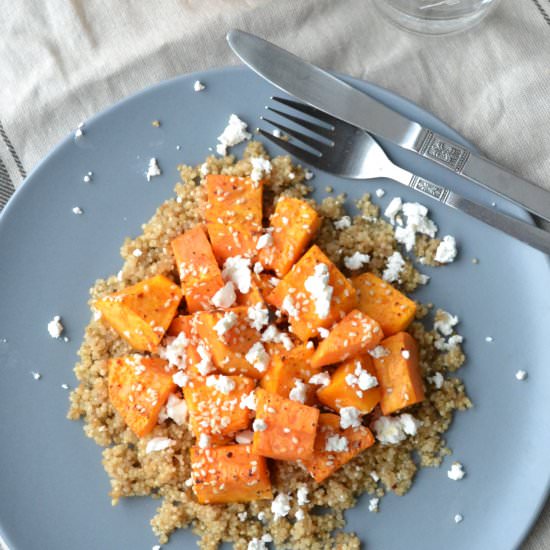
62	61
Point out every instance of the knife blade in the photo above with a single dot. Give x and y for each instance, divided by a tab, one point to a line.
331	95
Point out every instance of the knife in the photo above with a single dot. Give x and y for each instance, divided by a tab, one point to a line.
337	98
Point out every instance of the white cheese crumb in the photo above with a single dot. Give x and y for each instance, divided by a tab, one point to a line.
180	379
521	375
237	270
175	408
378	352
248	401
423	279
308	174
458	518
258	268
156	547
274	335
88	177
299	515
198	86
379	193
65	386
488	338
260	544
258	357
350	417
261	516
445	322
175	350
225	297
446	251
245	437
356	261
259	425
137	252
258	316
36	375
77	210
298	392
456	472
393	208
409	424
280	506
373	504
204	441
55	327
375	477
320	379
391	430
302	495
437	380
417	222
319	289
264	240
323	332
260	168
450	344
204	170
234	133
226	323
205	365
289	307
394	266
361	378
221	383
336	444
153	170
343	223
158	444
242	515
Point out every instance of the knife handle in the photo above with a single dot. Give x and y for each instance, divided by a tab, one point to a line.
482	171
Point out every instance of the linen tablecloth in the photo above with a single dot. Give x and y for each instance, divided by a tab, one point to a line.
62	61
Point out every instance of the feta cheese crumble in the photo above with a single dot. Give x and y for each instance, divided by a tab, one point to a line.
274	335
259	425
298	392
393	208
521	375
444	322
198	86
320	379
319	289
36	375
373	504
356	261
391	430
258	316
378	352
158	444
175	350
361	378
153	170
237	270
302	495
225	297
456	472
248	401
458	518
446	251
379	193
437	380
234	133
417	222
289	307
77	210
260	168
343	223
259	543
225	324
336	444
176	409
350	417
55	327
394	266
221	383
258	357
280	506
264	241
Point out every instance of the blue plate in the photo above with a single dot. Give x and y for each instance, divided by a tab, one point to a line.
54	490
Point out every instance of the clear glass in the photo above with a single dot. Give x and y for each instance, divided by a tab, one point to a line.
436	16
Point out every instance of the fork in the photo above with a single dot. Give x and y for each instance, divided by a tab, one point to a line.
344	150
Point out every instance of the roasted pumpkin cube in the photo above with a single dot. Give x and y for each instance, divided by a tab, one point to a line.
294	224
233	215
200	276
399	373
352	384
232	473
355	334
314	294
138	389
381	301
287	370
234	344
214	404
334	446
141	313
283	429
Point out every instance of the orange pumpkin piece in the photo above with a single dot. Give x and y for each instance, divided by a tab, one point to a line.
233	215
381	301
307	309
352	384
214	404
141	313
286	369
335	447
231	350
355	334
283	429
294	225
399	373
138	389
232	473
200	276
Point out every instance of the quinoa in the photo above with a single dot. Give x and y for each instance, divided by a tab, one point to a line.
163	474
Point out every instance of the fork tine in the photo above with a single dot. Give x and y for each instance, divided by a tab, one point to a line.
306	156
307	109
308	140
321	130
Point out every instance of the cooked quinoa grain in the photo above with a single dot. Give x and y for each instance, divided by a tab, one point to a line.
165	474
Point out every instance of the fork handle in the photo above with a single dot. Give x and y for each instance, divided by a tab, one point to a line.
523	231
